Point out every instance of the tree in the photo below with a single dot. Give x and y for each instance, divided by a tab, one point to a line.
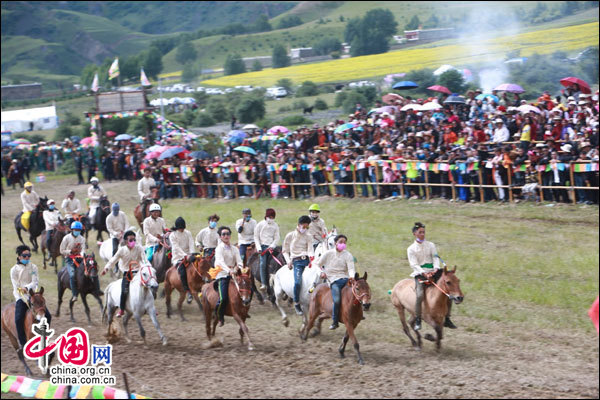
250	109
371	34
414	23
189	73
129	67
152	62
453	80
262	24
234	65
280	58
286	84
326	46
217	108
137	127
257	66
290	21
423	77
308	88
185	52
432	22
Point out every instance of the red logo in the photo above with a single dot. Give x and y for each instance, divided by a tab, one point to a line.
73	347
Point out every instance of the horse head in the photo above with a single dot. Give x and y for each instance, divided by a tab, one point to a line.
451	284
331	238
148	280
361	291
37	303
243	282
201	265
43	204
154	194
90	266
104	203
62	225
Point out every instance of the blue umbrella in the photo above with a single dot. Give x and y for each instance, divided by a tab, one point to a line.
344	127
138	140
150	149
124	136
405	85
237	134
173	151
245	149
485	96
200	154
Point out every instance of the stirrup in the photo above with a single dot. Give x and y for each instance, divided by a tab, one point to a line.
333	326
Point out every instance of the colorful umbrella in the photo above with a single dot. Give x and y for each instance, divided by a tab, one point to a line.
111	134
200	155
344	127
405	85
151	155
440	88
484	96
124	136
245	149
411	106
173	151
571	80
138	140
510	87
250	126
278	129
19	141
391	98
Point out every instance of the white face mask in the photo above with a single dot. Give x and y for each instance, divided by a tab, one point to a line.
301	229
270	220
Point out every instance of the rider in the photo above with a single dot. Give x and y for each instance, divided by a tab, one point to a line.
94	193
145	186
316	229
72	249
70	206
51	216
226	259
131	256
337	266
116	225
245	227
30	200
266	236
301	253
208	238
423	259
24	276
154	227
182	245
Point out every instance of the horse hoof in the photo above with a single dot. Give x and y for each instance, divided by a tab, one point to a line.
429	337
250	348
286	322
361	362
164	341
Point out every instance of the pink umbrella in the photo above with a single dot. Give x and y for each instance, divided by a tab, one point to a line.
510	87
87	140
278	129
151	155
390	98
440	88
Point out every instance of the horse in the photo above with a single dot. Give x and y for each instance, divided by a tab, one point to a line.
308	110
106	249
240	296
56	238
36	223
327	244
276	261
153	198
435	303
353	296
85	274
197	275
99	222
139	301
37	308
161	260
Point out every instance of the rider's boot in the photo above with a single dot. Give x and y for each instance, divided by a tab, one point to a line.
417	324
448	323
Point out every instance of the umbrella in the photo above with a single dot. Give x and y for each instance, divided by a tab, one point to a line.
583	86
488	96
87	140
171	152
250	126
188	100
443	69
412	106
388	109
159	102
156	147
124	136
510	87
111	133
440	88
245	149
174	100
525	108
151	155
431	106
19	141
344	127
405	85
76	139
390	98
237	134
278	129
455	100
200	154
138	140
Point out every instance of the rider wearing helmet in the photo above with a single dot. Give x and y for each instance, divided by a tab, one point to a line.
51	216
245	227
317	229
30	200
95	192
116	224
182	245
154	227
132	257
72	249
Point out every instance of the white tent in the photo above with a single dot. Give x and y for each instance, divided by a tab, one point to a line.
35	119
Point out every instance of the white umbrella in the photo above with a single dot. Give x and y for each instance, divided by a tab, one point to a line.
525	108
443	69
175	100
412	106
188	100
432	105
250	126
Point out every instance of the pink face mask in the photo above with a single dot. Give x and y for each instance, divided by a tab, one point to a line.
341	246
131	244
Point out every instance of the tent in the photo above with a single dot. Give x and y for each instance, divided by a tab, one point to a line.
31	119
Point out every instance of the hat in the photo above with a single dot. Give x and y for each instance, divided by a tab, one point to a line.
571	98
94	179
566	147
585	144
50	201
540	145
478	90
557	117
28	184
499	121
584	96
419	134
572	103
14	160
582	102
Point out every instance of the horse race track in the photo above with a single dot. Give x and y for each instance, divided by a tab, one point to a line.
529	273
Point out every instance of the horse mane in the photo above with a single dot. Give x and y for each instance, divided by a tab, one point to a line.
438	274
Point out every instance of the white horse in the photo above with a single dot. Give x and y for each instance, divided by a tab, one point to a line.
140	301
106	249
283	282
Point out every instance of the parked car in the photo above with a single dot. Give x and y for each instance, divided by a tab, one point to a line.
276	92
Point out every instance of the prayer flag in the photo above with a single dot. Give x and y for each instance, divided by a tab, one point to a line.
593	313
6	385
42	390
98	392
25	385
113	71
144	79
95	85
109	393
32	389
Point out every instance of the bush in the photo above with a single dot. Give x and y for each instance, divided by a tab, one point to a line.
217	109
295	120
250	109
71	119
308	88
320	104
265	123
203	119
284	109
63	132
353	97
335	55
67	167
340	98
299	105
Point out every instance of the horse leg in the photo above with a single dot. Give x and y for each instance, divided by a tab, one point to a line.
99	302
195	296
350	331
259	295
34	243
243	329
180	305
138	319
154	319
317	329
311	322
284	317
126	319
438	342
405	326
22	358
411	322
167	290
87	308
207	316
342	347
44	256
61	291
19	235
71	302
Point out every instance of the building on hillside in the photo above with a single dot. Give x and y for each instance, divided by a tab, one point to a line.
429	34
22	92
31	119
302	52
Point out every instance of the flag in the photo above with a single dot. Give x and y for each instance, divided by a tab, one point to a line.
593	313
113	71
144	79
95	83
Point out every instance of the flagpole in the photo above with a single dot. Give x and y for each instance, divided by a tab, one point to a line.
162	108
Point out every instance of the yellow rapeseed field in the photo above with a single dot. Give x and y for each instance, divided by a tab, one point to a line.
541	42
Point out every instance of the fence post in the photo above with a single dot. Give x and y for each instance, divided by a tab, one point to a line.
480	183
453	187
540	183
509	175
571	169
354	179
292	187
377	178
427	184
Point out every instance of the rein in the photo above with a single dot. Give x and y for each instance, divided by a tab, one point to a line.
145	283
437	286
275	258
130	271
357	298
238	286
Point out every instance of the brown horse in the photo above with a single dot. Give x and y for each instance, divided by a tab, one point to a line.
197	275
56	238
141	210
240	290
353	296
37	309
445	287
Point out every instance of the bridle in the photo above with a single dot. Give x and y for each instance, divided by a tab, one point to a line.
247	292
357	297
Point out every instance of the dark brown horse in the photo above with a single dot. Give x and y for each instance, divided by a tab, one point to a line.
141	210
161	259
56	238
86	272
37	309
36	223
356	294
445	288
197	275
240	291
276	261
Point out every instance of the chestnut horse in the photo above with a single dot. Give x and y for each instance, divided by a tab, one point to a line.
141	210
353	296
240	291
197	275
445	287
55	240
37	309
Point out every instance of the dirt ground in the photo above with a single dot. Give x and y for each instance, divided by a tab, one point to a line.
481	359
